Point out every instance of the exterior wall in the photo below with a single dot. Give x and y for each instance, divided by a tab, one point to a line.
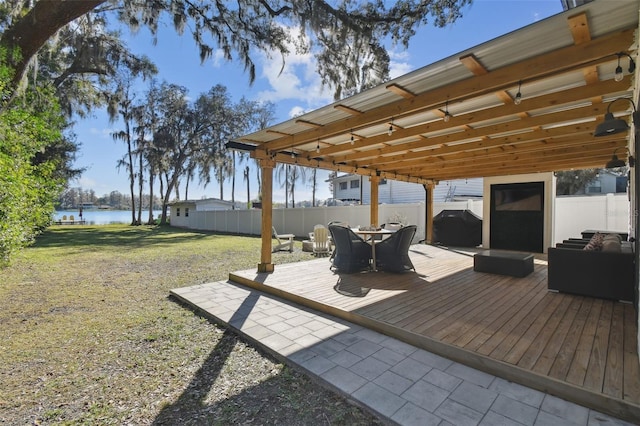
181	214
549	203
398	192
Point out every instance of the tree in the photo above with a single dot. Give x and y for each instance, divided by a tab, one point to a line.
314	185
81	61
572	181
247	179
346	37
29	181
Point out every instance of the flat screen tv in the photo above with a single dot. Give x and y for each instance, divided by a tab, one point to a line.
518	196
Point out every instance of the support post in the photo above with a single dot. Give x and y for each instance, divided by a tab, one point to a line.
428	227
375	181
265	264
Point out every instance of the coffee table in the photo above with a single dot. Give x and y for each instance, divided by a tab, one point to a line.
515	264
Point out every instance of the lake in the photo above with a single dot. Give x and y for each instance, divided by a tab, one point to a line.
104	217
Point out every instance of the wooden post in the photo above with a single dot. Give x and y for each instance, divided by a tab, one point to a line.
267	166
375	181
428	228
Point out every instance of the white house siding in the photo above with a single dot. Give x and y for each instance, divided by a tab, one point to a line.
397	192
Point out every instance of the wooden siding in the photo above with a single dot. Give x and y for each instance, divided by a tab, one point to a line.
579	348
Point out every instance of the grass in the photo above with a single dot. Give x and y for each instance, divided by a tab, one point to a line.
89	336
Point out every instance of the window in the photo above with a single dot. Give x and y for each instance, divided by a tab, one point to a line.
343	186
355	184
178	211
621	184
186	211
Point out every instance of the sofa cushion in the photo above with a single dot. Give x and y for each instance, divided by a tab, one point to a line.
612	243
595	243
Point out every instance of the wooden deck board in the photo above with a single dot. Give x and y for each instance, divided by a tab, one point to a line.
578	368
564	357
631	384
570	345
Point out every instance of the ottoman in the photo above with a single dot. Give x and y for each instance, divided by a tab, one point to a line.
503	263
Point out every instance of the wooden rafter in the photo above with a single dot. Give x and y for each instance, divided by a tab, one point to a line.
562	60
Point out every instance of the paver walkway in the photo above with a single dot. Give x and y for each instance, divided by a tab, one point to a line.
398	382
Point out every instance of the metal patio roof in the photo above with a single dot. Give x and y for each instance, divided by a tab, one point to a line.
564	67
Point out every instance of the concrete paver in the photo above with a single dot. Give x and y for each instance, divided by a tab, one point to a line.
402	384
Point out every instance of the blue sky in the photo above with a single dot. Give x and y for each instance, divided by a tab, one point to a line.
296	89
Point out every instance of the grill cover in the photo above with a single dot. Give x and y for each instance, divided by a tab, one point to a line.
461	228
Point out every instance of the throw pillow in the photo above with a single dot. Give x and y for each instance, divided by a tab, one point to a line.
595	243
612	243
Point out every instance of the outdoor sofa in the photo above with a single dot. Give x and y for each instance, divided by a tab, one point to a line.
587	267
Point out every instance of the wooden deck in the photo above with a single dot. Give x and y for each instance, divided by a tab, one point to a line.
579	348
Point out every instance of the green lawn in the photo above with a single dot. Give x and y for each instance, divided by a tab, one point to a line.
89	335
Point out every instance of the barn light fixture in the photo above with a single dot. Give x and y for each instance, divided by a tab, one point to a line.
618	162
612	125
352	138
318	146
390	131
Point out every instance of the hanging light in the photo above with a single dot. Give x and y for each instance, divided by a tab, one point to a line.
447	116
518	98
618	162
390	131
612	125
352	138
318	146
618	76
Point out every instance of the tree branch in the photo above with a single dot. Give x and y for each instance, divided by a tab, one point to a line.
33	30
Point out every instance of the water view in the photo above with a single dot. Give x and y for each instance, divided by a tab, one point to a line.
103	217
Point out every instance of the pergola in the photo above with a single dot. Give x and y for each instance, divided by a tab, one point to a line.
526	102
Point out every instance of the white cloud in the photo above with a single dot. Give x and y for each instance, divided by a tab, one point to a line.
295	80
217	59
400	63
296	111
104	133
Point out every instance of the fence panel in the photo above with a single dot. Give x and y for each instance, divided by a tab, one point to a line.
572	215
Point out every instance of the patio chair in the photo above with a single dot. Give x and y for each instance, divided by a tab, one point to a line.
392	254
392	226
352	253
285	241
321	243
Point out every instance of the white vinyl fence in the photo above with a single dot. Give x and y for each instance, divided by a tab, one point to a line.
572	215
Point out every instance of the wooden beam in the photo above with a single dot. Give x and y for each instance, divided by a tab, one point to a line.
473	64
511	126
399	90
561	60
319	163
579	26
277	132
348	110
309	123
540	102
